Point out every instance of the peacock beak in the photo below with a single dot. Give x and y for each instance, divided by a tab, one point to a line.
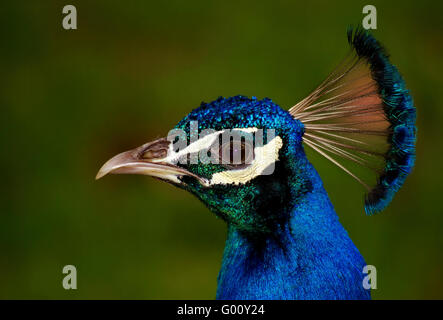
150	159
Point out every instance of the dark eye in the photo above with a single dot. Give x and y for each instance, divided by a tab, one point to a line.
236	154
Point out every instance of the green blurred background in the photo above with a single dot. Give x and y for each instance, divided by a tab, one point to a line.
72	99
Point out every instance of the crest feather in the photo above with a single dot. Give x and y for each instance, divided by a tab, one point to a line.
363	114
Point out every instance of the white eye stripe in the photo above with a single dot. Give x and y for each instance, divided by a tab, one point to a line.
265	158
203	143
200	144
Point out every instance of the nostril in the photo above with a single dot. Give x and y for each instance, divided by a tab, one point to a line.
155	150
155	154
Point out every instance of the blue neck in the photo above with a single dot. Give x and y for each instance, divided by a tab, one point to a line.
310	257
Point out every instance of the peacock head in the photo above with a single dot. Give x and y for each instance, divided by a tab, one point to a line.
244	157
234	154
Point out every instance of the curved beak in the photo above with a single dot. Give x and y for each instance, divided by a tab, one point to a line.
150	159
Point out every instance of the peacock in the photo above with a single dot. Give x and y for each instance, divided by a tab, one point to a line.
284	239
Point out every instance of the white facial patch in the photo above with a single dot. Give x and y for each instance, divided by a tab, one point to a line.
265	156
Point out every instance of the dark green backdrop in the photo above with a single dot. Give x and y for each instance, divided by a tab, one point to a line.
71	99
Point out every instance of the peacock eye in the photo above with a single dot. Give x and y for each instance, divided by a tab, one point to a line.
236	154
